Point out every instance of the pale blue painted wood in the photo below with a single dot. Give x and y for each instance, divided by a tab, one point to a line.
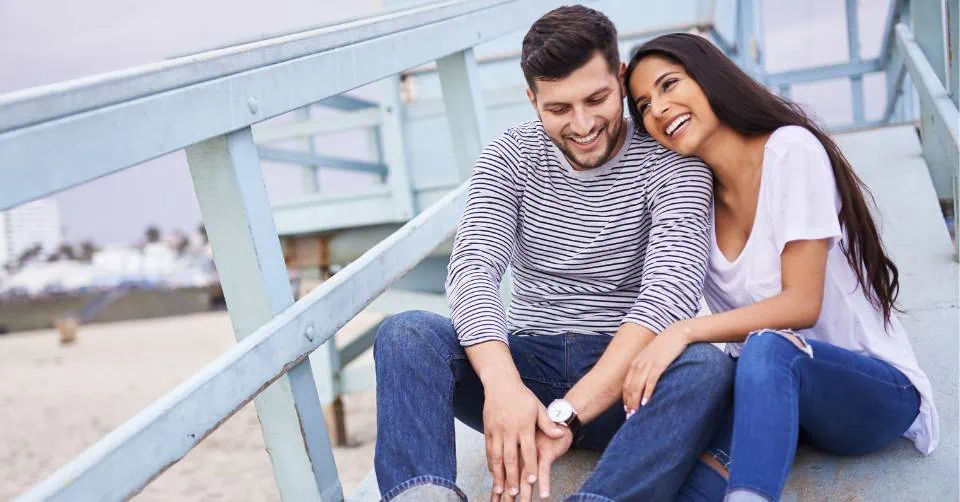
853	48
827	72
952	11
236	214
308	159
466	116
106	139
311	183
393	150
940	124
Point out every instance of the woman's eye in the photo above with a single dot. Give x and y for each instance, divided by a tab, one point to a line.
669	83
643	108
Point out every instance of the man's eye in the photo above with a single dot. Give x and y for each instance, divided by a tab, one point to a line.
597	101
557	111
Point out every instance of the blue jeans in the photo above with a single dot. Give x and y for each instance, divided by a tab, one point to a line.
424	380
836	401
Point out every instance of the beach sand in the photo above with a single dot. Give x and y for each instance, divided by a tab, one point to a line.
58	400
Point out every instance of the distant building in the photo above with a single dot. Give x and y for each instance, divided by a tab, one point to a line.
25	226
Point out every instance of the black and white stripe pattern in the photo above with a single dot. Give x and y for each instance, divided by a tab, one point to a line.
625	242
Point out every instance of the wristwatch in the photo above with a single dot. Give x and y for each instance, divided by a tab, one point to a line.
562	413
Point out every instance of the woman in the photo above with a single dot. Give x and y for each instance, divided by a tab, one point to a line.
797	271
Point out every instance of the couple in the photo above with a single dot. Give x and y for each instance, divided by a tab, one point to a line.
614	229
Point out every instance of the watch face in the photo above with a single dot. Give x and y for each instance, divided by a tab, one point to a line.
560	411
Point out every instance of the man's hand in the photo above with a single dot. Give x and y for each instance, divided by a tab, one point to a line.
549	449
511	416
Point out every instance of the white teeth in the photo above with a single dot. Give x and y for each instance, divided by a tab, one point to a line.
585	139
677	122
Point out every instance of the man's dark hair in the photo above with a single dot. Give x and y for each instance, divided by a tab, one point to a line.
563	40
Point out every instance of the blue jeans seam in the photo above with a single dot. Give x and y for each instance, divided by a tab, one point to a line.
752	489
588	497
871	377
423	480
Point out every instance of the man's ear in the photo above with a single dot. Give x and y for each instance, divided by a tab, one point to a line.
532	98
621	74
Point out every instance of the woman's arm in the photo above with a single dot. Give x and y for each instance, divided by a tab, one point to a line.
803	266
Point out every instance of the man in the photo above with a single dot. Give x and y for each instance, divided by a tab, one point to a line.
607	234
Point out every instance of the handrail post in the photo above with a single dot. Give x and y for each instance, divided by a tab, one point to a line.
237	217
392	148
464	106
310	182
853	45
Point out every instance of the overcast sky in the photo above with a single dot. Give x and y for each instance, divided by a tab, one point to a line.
45	41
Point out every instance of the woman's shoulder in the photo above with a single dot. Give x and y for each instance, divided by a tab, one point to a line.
787	137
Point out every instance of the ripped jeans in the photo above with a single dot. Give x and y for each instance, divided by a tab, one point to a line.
819	394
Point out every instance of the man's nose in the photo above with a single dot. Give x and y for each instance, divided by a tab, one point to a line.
582	122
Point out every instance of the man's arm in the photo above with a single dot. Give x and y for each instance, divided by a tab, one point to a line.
485	242
679	195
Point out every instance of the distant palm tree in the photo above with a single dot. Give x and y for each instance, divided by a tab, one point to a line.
87	250
153	234
65	251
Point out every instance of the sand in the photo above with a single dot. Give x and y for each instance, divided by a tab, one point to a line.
56	401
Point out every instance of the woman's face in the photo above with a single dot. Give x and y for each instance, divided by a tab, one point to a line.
673	106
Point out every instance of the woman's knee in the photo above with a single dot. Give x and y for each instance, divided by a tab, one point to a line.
767	351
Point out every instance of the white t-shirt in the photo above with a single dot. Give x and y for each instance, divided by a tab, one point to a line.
798	200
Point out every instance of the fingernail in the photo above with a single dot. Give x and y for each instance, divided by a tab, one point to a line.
643	402
531	479
498	489
625	409
514	491
557	431
544	495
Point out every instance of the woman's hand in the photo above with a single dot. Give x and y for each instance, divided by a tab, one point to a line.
649	365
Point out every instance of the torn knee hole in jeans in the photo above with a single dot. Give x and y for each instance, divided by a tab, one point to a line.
717	460
798	340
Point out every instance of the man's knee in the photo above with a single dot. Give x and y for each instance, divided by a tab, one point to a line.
403	334
710	365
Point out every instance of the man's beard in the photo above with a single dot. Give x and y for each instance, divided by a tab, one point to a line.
611	131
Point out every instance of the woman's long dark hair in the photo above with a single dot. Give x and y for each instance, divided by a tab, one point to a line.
750	109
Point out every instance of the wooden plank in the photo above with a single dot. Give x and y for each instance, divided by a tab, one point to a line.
464	105
236	214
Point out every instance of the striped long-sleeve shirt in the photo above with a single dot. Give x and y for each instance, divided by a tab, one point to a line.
624	242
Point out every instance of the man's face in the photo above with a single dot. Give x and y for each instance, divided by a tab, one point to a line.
583	113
